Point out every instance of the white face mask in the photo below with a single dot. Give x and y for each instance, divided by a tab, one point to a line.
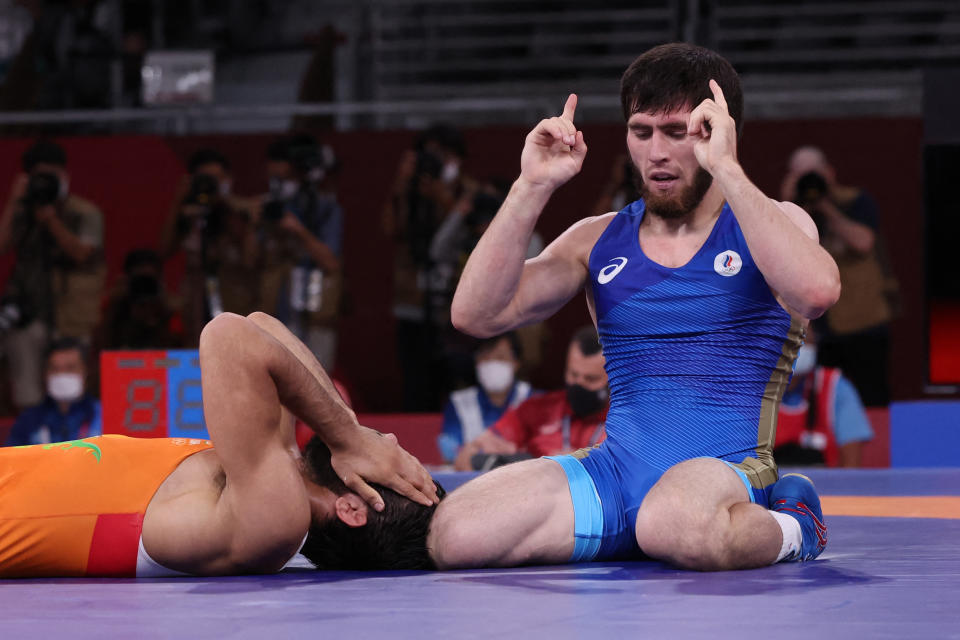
806	360
451	170
284	189
65	387
226	187
495	376
64	189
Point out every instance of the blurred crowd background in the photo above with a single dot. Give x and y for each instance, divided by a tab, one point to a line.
333	163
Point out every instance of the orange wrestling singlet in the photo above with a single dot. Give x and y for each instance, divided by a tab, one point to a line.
76	508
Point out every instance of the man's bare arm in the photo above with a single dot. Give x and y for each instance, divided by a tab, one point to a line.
781	236
498	290
422	484
486	442
300	351
248	375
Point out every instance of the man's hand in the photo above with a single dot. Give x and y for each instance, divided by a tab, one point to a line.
554	150
714	130
370	456
45	213
291	224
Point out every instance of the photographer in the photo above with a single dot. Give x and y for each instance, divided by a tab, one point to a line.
212	227
854	332
58	274
428	186
300	236
138	313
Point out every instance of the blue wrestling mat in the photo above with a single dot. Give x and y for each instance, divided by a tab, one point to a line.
883	576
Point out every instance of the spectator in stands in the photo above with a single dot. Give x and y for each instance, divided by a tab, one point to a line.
429	183
300	238
58	275
67	412
553	423
451	246
821	418
212	228
138	314
472	410
64	63
855	331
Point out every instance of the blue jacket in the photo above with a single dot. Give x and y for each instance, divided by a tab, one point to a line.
44	423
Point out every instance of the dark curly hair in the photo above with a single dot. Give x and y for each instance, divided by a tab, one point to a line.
395	538
676	76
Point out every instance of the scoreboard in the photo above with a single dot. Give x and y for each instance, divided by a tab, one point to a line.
152	394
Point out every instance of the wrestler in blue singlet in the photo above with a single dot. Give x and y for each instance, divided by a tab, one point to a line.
697	357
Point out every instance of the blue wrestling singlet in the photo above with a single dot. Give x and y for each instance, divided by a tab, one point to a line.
697	357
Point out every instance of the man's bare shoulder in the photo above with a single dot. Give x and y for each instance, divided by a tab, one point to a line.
188	526
580	237
595	224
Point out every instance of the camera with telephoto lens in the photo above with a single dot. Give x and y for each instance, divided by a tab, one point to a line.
428	164
273	210
311	159
811	187
204	194
43	188
203	190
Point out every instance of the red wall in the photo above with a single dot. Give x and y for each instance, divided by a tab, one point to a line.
133	178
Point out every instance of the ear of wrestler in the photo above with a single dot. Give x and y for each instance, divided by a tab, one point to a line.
351	510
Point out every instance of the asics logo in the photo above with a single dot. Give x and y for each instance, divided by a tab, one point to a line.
610	271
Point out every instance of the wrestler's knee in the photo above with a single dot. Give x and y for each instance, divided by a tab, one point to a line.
682	519
661	534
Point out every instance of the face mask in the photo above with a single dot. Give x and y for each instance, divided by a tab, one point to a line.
806	360
495	376
64	189
284	189
585	401
65	387
226	187
451	170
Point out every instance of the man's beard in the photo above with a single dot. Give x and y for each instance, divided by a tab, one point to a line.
675	206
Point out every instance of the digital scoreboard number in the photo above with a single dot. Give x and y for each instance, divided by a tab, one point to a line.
152	394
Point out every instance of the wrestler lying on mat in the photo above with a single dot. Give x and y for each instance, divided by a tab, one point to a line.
246	502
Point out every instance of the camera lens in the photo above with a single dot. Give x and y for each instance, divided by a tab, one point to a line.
43	188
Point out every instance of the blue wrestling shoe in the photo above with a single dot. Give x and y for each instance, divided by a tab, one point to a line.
795	495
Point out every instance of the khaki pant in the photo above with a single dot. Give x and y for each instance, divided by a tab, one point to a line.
25	349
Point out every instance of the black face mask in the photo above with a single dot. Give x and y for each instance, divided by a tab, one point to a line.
585	401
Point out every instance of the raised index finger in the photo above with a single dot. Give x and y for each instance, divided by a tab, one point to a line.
718	94
570	107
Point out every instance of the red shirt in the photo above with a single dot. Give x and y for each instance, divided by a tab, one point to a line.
544	425
794	427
